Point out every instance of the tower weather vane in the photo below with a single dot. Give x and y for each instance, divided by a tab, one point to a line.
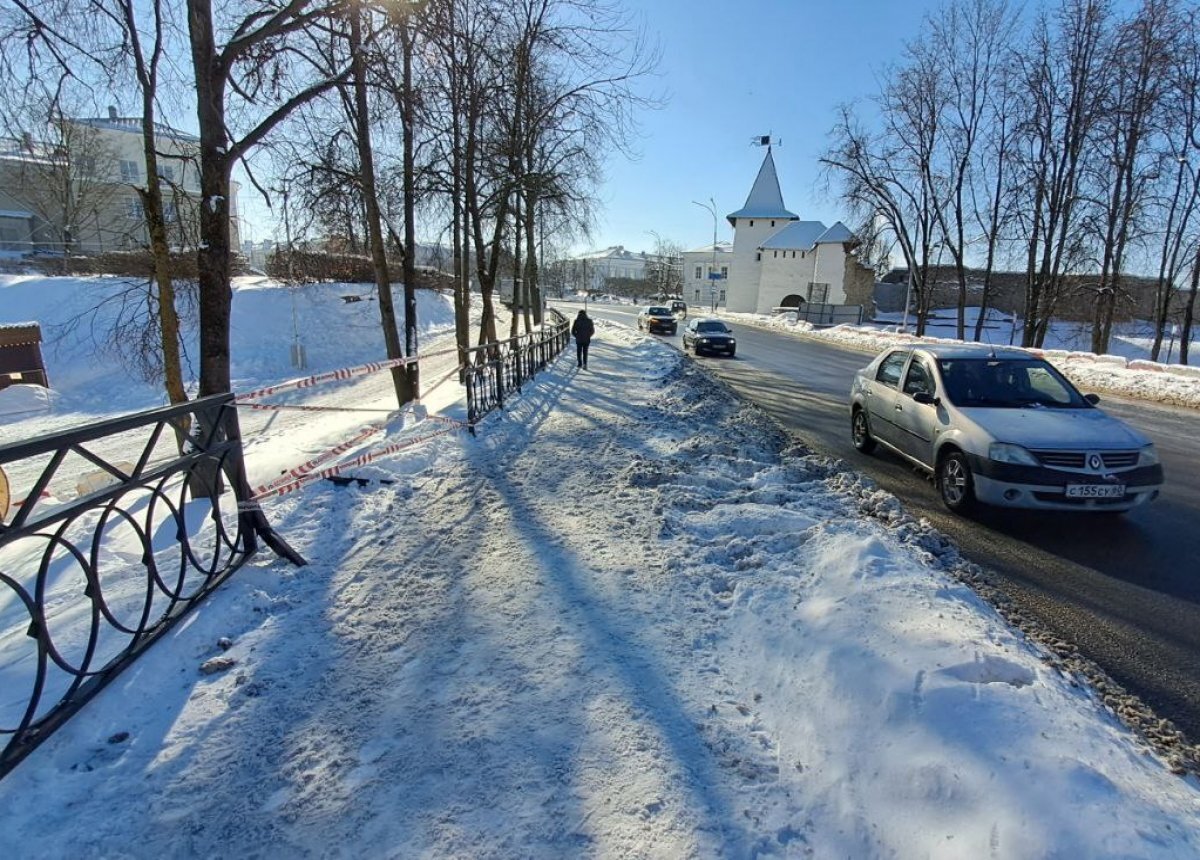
764	140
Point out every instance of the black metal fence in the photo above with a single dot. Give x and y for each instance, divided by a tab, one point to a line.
102	555
495	370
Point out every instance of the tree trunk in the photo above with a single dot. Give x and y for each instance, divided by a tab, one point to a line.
212	257
1189	309
409	263
383	285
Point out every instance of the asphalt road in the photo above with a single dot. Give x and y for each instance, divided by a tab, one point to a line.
1125	590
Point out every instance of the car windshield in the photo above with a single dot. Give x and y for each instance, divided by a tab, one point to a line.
712	327
658	312
1008	383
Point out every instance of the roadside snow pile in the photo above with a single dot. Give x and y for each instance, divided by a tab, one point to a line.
630	618
1175	384
18	401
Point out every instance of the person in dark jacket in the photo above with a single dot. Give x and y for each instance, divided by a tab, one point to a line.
582	330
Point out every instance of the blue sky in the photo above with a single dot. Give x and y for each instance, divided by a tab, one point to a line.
732	71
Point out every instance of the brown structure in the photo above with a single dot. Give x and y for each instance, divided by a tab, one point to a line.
21	356
1007	293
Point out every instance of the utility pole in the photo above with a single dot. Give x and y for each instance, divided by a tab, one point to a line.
711	206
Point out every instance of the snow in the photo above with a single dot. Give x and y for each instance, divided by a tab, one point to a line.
1126	371
629	618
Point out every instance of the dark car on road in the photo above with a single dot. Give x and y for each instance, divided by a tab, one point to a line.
679	308
711	336
658	319
1000	426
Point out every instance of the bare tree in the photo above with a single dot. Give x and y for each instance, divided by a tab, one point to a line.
111	41
1060	75
1180	130
967	42
269	82
1136	75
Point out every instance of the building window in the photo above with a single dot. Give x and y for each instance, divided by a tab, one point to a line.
129	171
751	223
167	172
699	273
170	212
133	208
724	271
758	256
772	223
775	255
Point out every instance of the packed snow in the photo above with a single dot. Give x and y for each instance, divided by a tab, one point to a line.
629	618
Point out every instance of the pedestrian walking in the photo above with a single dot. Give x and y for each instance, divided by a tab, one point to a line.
582	330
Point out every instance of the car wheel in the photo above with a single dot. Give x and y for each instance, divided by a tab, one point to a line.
955	483
860	432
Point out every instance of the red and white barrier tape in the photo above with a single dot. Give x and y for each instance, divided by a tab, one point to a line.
340	374
280	489
269	407
304	468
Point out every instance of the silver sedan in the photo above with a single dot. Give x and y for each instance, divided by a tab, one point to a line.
1000	426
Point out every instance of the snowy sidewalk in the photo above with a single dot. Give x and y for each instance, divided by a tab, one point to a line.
629	619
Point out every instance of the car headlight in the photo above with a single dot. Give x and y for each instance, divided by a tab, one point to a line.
1148	456
1005	452
701	340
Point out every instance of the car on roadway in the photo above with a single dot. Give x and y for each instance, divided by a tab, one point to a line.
709	335
658	319
679	308
1000	426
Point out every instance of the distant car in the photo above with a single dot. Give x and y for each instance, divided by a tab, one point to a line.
1002	427
679	308
658	319
711	336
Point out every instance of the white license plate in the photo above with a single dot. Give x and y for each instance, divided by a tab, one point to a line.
1095	491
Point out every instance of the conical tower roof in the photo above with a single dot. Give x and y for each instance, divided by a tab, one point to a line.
765	200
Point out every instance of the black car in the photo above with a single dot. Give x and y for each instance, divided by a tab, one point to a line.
657	319
711	336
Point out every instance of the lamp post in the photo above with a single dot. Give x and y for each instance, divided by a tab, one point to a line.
711	206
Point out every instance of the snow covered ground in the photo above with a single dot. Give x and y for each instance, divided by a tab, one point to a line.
1127	371
630	618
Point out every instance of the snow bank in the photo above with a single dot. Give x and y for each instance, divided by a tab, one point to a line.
1175	384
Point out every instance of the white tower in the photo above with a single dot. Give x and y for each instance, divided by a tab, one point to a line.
762	215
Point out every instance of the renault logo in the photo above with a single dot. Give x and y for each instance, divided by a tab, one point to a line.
1095	462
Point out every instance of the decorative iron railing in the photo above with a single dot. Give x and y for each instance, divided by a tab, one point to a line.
102	555
493	371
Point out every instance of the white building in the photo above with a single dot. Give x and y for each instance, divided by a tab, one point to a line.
780	261
78	191
698	287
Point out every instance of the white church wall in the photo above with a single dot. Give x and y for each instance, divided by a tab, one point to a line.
783	275
749	233
831	269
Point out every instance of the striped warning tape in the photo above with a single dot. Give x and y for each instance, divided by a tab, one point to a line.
280	407
341	374
278	489
306	467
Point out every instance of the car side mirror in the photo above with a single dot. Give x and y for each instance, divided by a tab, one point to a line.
1092	398
924	397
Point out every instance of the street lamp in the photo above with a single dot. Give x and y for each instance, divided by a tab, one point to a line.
711	206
